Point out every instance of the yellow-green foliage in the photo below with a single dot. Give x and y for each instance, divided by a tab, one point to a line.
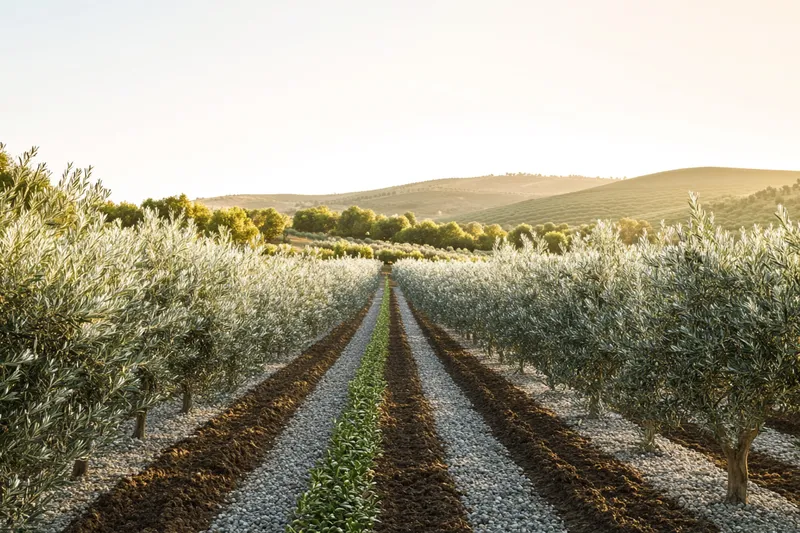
269	222
237	223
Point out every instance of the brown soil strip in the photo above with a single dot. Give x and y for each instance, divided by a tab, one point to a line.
788	423
415	489
181	491
591	490
765	471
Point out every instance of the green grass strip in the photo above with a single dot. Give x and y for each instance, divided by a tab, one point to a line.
342	496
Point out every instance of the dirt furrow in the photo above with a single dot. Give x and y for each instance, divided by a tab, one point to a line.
592	490
416	491
181	491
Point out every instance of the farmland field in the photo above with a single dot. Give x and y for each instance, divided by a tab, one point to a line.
400	267
467	442
157	380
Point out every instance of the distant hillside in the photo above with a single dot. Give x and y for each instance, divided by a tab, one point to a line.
442	198
653	197
757	208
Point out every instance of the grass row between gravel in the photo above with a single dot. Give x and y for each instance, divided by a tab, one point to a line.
341	496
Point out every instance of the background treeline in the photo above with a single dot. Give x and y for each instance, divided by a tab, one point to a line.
271	229
98	322
243	225
364	223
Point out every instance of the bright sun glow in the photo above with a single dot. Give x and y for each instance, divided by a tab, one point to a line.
212	98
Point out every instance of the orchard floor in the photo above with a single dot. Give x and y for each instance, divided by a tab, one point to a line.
468	445
687	466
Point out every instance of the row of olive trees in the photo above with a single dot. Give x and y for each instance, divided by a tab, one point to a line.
387	252
699	325
99	322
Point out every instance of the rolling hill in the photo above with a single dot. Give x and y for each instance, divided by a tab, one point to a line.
757	208
442	198
654	197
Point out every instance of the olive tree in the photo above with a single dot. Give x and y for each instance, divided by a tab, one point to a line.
70	321
640	392
589	303
735	304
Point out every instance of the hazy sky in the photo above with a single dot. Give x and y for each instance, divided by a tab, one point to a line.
229	97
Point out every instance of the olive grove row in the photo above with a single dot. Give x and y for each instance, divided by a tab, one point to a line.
98	322
700	325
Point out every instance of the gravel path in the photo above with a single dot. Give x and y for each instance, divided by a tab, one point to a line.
779	445
688	476
267	499
496	493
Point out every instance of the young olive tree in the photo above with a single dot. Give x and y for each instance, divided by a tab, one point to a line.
640	392
68	334
590	302
524	291
734	307
166	263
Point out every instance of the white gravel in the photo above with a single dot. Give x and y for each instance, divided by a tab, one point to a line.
267	499
778	445
687	476
497	495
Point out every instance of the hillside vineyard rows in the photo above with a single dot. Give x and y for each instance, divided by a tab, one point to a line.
154	380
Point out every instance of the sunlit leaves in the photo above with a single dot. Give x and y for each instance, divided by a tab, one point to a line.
98	321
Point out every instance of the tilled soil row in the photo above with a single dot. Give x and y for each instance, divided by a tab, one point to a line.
788	423
591	490
766	471
181	491
416	491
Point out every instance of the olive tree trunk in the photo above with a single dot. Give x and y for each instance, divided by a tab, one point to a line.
595	405
141	424
648	443
147	382
737	466
80	468
187	399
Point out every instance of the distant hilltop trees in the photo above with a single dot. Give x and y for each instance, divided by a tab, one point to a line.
244	225
361	223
